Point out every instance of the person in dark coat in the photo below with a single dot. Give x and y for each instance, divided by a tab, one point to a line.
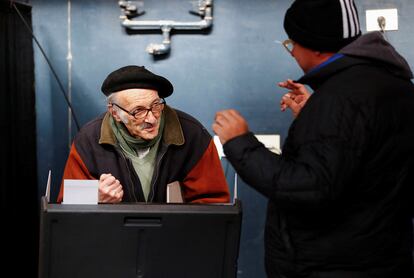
141	145
339	195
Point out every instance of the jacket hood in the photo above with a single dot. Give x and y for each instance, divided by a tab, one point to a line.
373	46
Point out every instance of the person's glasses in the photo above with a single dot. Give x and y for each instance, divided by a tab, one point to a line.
287	44
141	112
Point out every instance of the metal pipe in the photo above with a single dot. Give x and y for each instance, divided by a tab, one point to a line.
204	10
162	48
159	24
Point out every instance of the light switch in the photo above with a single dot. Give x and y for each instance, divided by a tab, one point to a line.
390	16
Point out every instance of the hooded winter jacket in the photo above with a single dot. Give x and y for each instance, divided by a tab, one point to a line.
186	154
339	193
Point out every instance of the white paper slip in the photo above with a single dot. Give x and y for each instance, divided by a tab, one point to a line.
47	193
80	192
174	194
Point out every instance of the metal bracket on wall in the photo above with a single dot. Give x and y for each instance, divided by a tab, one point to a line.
203	8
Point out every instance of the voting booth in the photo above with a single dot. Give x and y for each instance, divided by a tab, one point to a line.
139	240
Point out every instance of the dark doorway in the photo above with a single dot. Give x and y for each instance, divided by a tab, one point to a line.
18	164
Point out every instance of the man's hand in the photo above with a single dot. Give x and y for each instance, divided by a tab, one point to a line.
296	98
229	124
110	189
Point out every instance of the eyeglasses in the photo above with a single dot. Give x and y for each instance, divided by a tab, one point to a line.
287	44
141	112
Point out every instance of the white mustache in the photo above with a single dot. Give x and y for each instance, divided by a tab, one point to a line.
146	125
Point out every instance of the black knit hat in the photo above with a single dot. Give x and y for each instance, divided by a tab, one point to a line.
322	25
131	77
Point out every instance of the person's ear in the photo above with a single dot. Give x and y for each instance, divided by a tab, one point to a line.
114	113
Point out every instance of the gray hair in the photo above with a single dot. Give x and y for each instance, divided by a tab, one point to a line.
112	98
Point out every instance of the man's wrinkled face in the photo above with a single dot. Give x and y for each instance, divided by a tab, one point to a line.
135	100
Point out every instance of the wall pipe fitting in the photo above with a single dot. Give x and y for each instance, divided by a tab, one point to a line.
205	10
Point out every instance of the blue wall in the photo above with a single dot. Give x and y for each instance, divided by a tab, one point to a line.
236	65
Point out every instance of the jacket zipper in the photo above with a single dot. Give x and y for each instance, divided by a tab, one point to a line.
157	166
132	189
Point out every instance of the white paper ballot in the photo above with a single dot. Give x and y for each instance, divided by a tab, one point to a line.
80	192
174	194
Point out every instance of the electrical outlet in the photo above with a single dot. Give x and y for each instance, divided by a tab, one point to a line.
390	15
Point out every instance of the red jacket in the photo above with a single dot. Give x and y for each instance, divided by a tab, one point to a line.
186	154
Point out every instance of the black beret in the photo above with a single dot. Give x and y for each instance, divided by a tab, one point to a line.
135	77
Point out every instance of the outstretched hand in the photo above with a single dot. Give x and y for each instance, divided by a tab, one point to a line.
296	98
229	124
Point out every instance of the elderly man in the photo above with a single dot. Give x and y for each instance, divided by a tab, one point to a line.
340	192
141	144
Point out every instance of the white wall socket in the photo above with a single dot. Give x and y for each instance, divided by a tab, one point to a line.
390	15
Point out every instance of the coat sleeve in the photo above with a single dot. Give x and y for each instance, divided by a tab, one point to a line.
75	169
321	161
206	183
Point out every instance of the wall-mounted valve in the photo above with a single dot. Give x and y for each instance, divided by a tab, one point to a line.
161	48
204	9
131	8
